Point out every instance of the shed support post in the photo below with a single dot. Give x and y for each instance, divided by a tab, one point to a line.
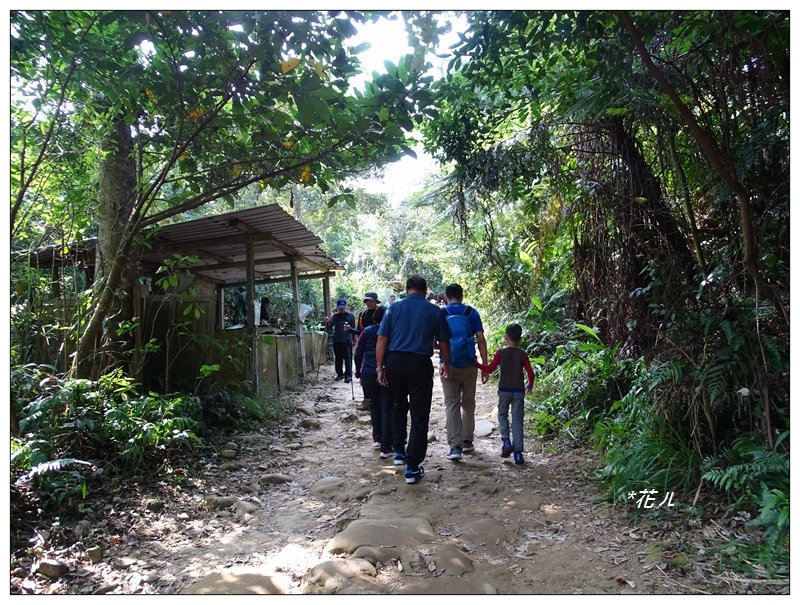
298	325
326	295
221	307
251	314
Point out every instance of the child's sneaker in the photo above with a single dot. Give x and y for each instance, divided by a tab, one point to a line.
506	451
414	475
518	459
399	458
455	453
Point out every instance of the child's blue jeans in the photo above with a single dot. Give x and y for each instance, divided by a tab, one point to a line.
516	401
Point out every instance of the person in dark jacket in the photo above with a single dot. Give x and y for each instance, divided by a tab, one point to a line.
342	323
380	397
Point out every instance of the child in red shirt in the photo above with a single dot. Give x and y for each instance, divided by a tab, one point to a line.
511	390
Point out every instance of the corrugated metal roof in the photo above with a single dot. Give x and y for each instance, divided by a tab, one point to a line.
220	243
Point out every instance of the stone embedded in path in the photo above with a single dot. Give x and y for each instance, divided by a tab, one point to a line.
273	479
220	501
310	423
365	419
541	472
231	445
348	417
341	576
228	454
394	533
308	410
483	427
484	532
376	554
339	489
51	568
524	502
446	585
243	506
239	580
453	561
95	554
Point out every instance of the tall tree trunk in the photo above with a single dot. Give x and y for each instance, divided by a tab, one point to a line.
117	198
643	179
719	163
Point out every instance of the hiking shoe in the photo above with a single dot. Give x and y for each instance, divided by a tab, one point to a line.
455	453
414	475
506	451
385	455
467	447
518	459
376	445
347	379
339	376
399	458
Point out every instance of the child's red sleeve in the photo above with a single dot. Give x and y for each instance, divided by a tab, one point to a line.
526	363
492	365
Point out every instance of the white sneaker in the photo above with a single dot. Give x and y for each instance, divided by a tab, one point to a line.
376	445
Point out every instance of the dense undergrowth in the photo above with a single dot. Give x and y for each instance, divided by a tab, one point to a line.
78	436
705	416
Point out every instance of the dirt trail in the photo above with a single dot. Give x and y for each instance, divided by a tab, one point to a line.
310	508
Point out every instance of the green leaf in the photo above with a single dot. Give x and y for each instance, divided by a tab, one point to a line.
589	331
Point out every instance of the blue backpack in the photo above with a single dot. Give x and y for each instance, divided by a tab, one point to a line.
462	345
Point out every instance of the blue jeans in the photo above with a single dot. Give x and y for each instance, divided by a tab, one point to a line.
516	401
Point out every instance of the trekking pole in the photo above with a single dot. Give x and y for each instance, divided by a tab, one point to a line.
352	389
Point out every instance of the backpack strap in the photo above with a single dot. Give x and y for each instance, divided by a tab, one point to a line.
467	311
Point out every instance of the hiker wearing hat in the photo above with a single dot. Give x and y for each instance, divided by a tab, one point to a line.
342	322
365	317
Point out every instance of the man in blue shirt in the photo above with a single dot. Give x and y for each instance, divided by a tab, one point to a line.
459	386
404	350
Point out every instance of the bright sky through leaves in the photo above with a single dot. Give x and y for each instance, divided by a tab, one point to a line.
388	42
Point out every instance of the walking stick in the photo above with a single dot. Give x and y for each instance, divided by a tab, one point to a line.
352	389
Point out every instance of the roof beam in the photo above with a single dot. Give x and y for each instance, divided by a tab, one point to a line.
272	280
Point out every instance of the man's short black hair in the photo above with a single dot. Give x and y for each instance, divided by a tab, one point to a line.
417	282
377	314
514	332
454	292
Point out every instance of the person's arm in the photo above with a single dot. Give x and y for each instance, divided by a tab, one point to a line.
526	363
488	369
380	357
443	335
481	340
444	351
360	348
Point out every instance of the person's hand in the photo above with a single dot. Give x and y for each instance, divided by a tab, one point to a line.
444	370
347	327
529	390
382	377
484	378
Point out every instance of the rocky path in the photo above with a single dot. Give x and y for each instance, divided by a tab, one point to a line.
311	508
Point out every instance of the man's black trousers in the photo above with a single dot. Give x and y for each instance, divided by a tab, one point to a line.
410	377
343	353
